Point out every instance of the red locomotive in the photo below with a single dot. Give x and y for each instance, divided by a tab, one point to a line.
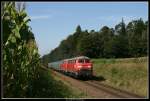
77	67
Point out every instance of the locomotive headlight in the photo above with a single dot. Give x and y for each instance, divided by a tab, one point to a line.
79	66
89	66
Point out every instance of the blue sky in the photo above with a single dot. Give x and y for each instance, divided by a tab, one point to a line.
52	22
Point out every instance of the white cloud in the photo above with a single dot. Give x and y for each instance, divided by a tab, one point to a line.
118	18
40	17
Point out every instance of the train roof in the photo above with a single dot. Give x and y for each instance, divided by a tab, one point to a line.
79	57
56	62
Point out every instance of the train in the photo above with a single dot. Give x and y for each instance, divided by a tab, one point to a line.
77	67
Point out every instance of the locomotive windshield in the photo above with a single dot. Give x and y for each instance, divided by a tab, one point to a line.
87	60
83	60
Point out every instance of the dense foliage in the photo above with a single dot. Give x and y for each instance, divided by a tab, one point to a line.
20	54
120	42
22	75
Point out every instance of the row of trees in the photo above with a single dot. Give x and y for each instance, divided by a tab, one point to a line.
120	42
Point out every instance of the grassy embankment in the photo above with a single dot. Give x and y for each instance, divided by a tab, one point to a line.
50	86
47	87
74	91
130	74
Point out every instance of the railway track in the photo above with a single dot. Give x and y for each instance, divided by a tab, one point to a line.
112	90
96	88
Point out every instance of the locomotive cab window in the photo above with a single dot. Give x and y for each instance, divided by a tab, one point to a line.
87	61
81	61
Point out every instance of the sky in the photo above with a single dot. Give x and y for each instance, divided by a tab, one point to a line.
52	22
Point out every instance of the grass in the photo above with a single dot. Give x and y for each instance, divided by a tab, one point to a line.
47	87
74	91
130	74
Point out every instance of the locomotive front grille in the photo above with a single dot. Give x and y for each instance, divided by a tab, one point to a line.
85	72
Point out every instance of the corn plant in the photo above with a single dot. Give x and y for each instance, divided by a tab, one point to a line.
20	56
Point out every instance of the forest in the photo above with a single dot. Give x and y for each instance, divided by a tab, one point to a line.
123	41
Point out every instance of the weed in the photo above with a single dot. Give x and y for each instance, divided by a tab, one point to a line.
129	74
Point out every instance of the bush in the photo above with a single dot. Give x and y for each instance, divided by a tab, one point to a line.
47	87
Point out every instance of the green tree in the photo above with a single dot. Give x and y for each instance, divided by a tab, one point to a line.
90	45
137	32
122	45
78	29
106	36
